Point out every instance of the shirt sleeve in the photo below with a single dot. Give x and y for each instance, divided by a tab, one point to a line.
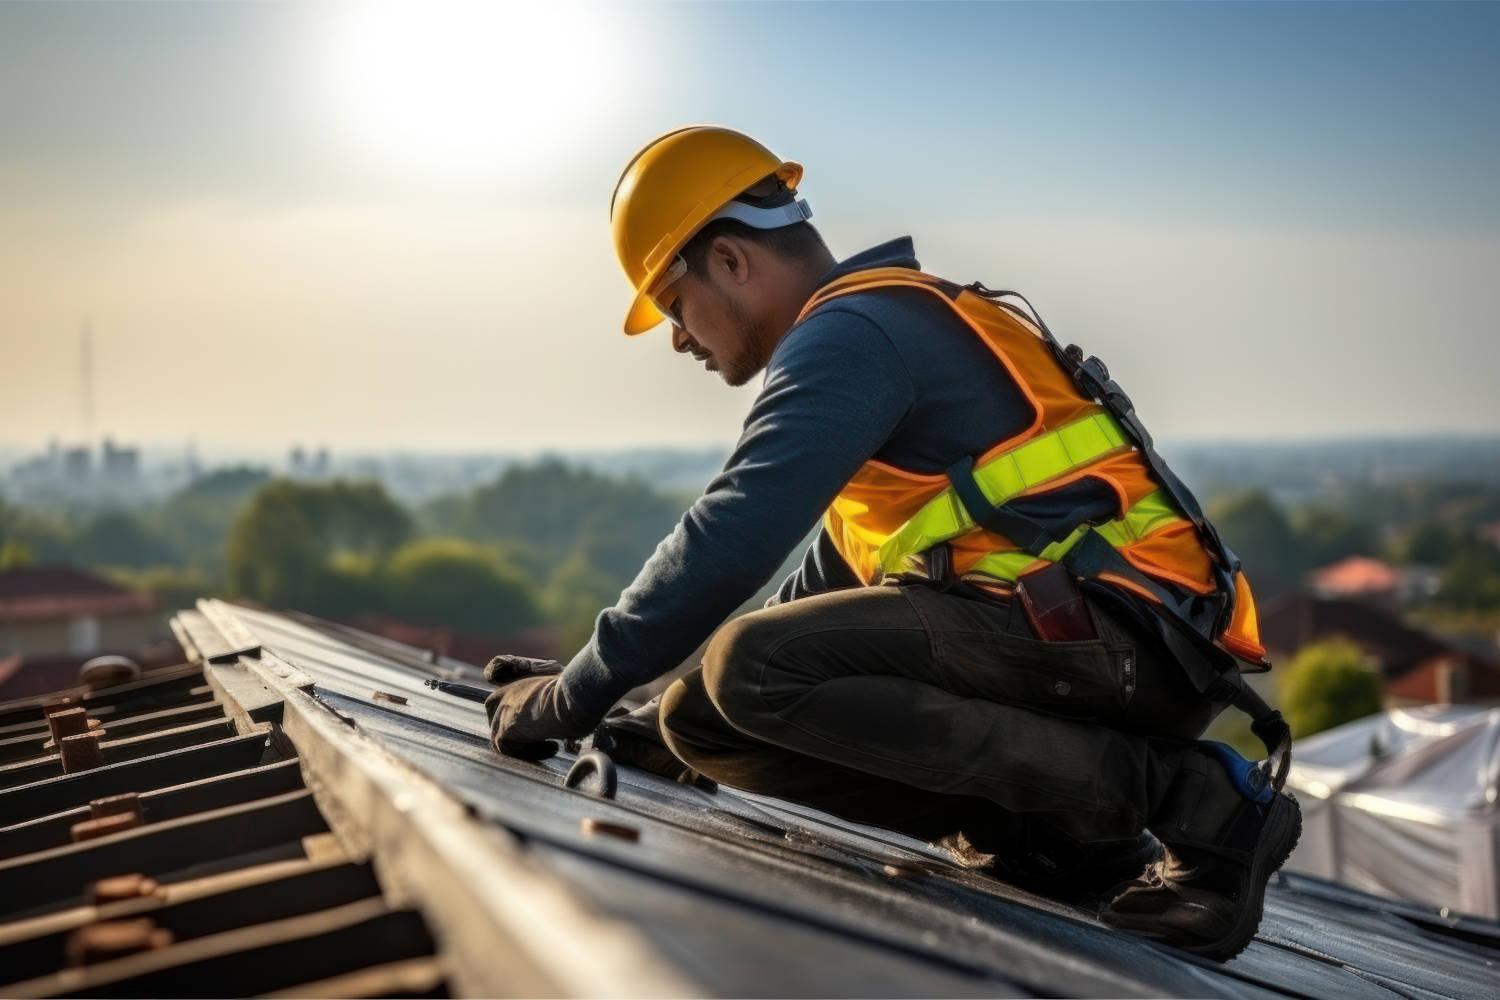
835	391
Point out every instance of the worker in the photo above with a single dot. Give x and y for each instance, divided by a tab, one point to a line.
1013	623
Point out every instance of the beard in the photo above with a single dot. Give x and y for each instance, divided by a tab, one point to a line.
751	358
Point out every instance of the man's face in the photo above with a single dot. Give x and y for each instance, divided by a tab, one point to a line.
712	320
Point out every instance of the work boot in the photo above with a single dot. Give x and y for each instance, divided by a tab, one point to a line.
1033	854
1225	832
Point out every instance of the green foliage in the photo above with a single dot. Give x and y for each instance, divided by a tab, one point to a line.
1430	543
557	509
1328	684
117	538
196	519
300	545
586	535
14	554
1260	534
574	595
1471	579
1325	536
174	588
448	581
34	537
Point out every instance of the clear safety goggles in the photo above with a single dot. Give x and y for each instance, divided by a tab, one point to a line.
662	296
754	216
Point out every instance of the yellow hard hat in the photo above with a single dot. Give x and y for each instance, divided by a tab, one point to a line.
674	187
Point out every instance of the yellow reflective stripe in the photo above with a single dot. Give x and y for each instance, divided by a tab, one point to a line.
1149	515
1007	566
1044	458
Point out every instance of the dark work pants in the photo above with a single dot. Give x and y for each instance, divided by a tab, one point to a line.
917	709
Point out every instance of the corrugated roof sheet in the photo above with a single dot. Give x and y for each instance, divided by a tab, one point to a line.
470	872
750	895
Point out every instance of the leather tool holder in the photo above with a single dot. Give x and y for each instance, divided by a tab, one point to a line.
1054	605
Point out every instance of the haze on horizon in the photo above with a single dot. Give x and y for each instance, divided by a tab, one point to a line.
382	226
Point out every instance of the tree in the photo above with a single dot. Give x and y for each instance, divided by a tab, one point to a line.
116	538
1328	684
575	594
315	547
197	518
1431	543
448	581
1325	536
174	588
29	536
553	508
1471	580
1259	533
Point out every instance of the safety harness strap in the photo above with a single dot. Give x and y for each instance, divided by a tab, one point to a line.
1093	377
1093	558
981	493
1027	532
1149	515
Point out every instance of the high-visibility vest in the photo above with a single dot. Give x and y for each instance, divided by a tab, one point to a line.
886	520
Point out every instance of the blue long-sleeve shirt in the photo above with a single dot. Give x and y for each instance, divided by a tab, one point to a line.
891	374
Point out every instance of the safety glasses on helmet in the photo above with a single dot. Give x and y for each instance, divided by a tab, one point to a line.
662	295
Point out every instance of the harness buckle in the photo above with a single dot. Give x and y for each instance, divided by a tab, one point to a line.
937	563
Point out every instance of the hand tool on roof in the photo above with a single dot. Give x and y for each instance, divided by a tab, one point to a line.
468	692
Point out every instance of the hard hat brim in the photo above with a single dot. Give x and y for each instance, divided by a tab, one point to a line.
643	316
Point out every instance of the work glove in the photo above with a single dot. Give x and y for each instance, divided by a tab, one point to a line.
529	709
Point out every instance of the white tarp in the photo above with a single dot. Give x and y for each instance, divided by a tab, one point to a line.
1403	804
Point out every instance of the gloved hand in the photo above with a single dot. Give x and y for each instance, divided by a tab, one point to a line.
530	708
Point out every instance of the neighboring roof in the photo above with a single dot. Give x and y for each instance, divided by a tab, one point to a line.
45	593
1292	621
1356	575
30	675
727	893
1402	803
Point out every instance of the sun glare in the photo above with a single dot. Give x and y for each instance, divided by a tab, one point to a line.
454	84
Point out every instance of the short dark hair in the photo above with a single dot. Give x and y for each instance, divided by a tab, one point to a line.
797	241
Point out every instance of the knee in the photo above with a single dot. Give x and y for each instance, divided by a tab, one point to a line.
736	665
680	704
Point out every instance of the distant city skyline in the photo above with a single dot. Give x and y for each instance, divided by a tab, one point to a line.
381	227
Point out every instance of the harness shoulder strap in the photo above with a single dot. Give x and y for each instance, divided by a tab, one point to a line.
879	277
1093	378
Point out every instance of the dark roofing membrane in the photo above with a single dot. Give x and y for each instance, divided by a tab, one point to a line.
748	895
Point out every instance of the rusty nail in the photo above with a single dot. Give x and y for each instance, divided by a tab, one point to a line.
92	829
386	696
130	802
81	752
118	887
592	827
68	722
115	938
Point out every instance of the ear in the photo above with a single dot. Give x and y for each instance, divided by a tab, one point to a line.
729	260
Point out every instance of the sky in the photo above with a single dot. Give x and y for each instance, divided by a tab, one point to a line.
385	226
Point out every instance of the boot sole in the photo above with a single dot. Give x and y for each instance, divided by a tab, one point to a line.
1278	839
1283	830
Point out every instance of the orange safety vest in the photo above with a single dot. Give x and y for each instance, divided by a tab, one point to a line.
884	515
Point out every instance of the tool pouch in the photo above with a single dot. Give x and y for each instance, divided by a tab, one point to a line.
1054	605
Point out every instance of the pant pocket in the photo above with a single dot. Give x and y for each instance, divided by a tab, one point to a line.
1079	680
981	654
